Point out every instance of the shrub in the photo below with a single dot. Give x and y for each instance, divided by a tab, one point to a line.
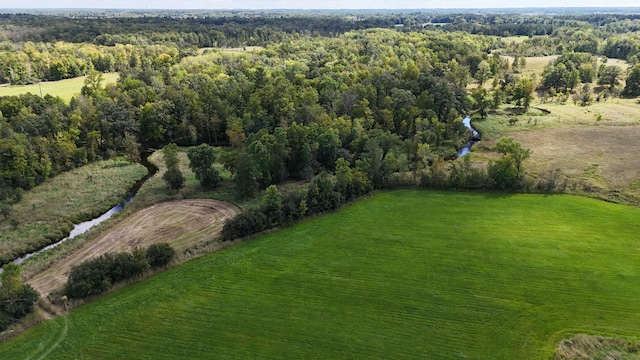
250	221
89	278
96	276
159	254
174	179
20	304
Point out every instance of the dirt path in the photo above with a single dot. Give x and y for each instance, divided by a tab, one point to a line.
181	223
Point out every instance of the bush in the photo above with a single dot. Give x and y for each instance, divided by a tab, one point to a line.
159	254
20	304
89	278
96	276
248	222
174	179
125	266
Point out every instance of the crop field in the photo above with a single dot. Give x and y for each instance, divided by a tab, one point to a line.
403	274
179	223
66	89
50	209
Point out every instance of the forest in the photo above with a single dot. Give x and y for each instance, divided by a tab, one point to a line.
339	103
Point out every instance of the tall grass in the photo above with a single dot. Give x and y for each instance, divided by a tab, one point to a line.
47	212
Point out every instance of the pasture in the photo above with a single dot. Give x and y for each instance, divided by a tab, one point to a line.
66	89
403	274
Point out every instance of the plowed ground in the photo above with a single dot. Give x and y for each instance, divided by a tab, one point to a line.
180	223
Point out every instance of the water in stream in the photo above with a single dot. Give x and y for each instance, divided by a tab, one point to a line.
79	229
83	227
474	138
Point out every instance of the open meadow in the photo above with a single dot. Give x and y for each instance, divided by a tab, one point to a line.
66	89
594	148
444	275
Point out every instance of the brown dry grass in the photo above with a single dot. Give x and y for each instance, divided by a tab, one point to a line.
590	347
181	223
604	157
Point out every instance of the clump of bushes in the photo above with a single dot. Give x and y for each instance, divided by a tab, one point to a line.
16	298
96	276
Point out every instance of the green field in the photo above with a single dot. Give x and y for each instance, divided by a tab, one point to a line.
66	89
403	274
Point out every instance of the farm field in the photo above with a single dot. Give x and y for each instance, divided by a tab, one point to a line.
180	223
402	274
66	89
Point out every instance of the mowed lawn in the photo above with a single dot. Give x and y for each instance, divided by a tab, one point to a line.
403	274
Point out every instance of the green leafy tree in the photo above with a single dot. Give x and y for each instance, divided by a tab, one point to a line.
507	172
482	101
201	160
272	206
523	92
173	176
632	86
92	84
483	72
11	280
159	255
244	179
610	76
16	298
174	179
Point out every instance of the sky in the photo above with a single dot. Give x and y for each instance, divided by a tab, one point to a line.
318	4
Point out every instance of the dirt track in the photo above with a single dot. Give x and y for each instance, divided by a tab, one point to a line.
181	223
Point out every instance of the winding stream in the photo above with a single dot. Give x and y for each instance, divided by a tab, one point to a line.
83	227
475	137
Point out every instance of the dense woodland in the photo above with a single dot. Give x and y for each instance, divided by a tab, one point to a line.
374	98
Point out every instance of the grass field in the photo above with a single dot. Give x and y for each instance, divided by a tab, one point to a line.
66	89
49	210
404	274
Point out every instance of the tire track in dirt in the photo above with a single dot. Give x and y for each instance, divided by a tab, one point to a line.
181	223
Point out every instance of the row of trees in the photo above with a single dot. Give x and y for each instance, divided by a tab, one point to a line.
328	192
96	276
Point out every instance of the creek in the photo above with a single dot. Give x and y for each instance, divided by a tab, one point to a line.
475	137
83	227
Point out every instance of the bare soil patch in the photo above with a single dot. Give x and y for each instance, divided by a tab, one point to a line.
181	223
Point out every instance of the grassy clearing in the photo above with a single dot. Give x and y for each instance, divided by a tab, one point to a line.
48	211
66	89
595	147
404	274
